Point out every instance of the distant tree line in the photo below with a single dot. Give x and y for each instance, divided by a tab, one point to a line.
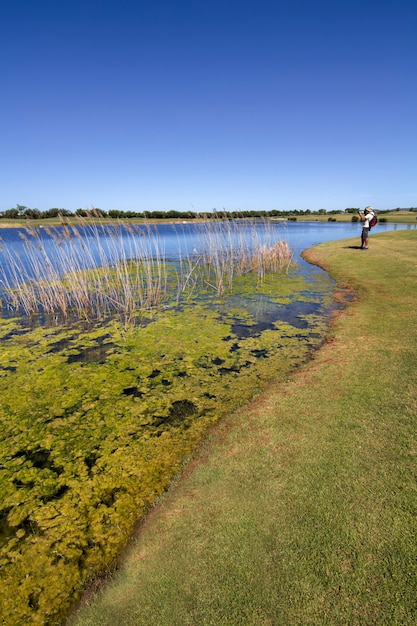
20	211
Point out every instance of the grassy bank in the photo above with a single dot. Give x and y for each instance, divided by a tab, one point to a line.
301	508
401	217
392	217
98	418
75	221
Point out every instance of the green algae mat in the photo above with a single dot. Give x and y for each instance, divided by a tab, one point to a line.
97	421
301	508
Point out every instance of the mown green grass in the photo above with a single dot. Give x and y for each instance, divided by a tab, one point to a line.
401	217
393	216
96	420
76	221
301	508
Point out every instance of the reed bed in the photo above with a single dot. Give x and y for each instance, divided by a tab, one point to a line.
92	271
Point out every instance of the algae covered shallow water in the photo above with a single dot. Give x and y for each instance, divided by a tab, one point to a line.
97	420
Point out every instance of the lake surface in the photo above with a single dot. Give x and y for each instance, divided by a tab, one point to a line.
21	249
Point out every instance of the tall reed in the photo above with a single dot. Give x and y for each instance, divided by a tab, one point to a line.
85	274
232	249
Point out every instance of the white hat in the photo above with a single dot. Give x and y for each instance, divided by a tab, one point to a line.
368	209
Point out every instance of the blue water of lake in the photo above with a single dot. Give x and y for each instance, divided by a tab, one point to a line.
24	253
163	240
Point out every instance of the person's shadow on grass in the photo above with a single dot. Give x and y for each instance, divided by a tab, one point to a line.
353	247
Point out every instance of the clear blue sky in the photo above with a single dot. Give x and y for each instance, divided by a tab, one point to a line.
202	104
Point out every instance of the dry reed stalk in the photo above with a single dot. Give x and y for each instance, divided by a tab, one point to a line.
126	271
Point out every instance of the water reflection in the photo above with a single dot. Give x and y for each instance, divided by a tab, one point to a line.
266	313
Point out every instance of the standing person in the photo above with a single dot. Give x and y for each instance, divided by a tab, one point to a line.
365	217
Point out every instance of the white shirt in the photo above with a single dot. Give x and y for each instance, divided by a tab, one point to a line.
368	218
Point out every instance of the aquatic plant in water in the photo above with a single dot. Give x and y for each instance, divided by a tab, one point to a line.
93	271
97	421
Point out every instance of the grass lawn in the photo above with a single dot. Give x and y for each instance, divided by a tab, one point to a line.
402	217
301	508
76	221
